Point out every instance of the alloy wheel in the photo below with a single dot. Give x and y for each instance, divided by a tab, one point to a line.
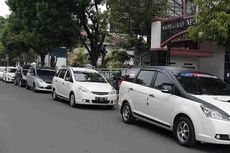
183	132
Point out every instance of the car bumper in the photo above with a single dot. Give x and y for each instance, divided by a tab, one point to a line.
44	88
209	129
92	99
10	79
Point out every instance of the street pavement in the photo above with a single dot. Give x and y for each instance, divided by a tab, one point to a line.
34	123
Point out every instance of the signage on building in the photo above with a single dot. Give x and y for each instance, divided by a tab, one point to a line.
178	24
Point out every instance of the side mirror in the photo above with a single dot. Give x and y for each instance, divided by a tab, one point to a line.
167	88
68	79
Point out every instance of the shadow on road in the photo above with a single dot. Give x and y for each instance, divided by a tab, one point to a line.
203	147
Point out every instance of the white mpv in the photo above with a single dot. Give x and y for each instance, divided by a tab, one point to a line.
194	105
9	74
83	86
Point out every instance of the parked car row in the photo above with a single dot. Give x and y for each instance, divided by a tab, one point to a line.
193	104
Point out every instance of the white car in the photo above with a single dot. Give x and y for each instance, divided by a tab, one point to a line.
2	69
9	74
83	86
40	79
194	105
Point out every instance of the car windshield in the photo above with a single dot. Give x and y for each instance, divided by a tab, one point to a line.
12	70
88	77
201	83
45	72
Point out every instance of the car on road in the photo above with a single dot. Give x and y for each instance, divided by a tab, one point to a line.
9	74
40	79
194	105
82	86
20	76
2	69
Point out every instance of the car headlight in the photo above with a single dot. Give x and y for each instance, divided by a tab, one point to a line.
84	90
113	91
214	114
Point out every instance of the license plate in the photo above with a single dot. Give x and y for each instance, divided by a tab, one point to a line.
101	98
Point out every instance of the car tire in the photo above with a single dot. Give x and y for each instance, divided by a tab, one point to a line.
54	95
34	88
126	112
184	131
72	101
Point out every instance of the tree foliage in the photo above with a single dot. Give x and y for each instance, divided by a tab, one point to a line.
213	22
117	59
45	24
133	18
78	58
92	25
3	25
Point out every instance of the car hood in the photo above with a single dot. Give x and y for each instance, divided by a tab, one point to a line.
96	87
222	102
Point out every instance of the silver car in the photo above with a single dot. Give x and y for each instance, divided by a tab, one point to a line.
40	79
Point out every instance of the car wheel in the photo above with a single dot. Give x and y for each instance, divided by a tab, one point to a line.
34	88
184	132
6	80
72	101
126	113
54	95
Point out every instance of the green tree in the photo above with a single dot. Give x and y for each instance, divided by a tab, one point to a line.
213	22
78	58
92	24
3	25
46	24
133	18
117	59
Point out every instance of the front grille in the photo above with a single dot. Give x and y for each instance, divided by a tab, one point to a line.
100	93
49	87
100	102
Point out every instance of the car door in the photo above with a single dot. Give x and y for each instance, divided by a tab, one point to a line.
161	104
60	83
30	76
140	91
68	83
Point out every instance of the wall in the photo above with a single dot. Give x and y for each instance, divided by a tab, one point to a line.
214	64
180	61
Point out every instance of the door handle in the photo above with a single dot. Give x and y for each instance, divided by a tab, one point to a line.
56	81
63	83
151	95
131	89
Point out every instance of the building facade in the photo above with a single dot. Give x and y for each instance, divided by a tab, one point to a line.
171	46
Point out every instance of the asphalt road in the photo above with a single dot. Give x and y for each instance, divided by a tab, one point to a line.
34	123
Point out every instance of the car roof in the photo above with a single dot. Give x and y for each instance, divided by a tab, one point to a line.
174	70
83	69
